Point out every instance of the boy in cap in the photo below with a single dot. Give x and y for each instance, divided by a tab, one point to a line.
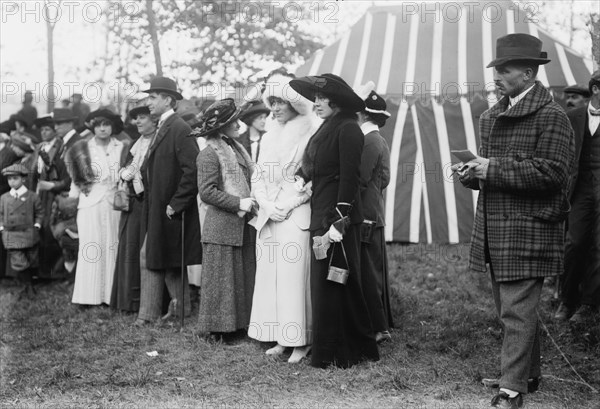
20	222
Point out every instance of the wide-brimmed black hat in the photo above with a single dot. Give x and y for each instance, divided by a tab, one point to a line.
117	122
23	140
61	115
15	169
329	85
166	85
44	121
255	108
141	110
577	89
519	47
217	116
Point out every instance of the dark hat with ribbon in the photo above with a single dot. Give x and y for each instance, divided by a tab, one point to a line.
141	110
331	86
255	109
15	169
99	115
44	121
217	116
577	89
61	115
23	141
519	47
166	85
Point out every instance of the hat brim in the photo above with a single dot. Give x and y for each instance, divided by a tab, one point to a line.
577	90
253	112
504	60
135	112
229	120
308	87
175	94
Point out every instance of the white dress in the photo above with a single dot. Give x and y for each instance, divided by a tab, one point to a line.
98	227
281	308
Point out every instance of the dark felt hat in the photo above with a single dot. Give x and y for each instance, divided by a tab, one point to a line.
15	169
96	116
519	47
255	108
217	116
141	110
166	85
44	121
23	141
63	115
331	86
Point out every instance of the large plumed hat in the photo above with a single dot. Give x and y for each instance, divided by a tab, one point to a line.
216	117
166	85
100	114
519	47
331	86
278	86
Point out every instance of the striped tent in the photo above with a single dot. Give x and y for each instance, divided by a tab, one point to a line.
428	60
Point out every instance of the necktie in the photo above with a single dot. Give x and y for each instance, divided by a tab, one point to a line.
595	112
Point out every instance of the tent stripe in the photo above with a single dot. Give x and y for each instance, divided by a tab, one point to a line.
399	61
411	58
542	77
394	161
510	21
341	54
469	135
375	48
444	147
420	179
556	75
564	64
487	45
388	46
364	48
436	58
419	183
314	68
462	51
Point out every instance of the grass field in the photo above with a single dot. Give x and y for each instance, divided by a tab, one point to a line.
56	355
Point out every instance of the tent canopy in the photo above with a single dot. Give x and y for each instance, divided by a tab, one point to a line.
429	61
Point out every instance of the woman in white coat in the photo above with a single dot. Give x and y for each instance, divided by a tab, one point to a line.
281	309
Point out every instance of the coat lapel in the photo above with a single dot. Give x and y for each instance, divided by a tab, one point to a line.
161	133
21	200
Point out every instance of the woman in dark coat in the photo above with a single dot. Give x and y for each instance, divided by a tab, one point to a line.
126	285
342	331
229	261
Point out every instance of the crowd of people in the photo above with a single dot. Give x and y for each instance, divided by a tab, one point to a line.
285	222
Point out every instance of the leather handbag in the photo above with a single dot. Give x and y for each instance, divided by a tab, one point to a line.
121	198
337	274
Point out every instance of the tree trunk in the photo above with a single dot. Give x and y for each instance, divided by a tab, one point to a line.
154	36
50	39
595	33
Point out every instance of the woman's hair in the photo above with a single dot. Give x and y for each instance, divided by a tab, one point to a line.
377	119
274	99
334	102
103	121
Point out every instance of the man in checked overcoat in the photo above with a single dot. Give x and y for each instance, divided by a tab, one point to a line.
526	155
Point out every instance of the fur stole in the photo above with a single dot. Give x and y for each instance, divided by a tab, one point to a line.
235	181
79	166
283	145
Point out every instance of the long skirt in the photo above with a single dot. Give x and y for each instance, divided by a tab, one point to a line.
126	284
281	309
374	268
342	330
227	287
98	228
50	251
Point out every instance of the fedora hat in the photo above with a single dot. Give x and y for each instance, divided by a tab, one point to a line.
96	116
141	110
331	86
577	89
255	109
519	47
16	169
166	85
61	115
217	116
44	121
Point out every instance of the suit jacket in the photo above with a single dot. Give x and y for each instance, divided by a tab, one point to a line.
579	122
17	218
54	171
374	177
169	177
524	197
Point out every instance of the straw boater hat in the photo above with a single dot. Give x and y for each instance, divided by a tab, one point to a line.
330	85
16	169
100	114
166	85
519	47
216	117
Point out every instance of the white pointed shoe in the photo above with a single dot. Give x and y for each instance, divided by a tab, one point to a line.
298	354
276	350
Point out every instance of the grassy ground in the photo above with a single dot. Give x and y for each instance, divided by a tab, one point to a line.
56	355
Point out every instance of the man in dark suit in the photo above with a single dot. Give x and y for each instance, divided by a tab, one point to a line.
64	121
580	286
527	151
169	176
576	96
255	118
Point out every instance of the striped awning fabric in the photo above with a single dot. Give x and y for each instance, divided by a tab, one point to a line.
428	60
